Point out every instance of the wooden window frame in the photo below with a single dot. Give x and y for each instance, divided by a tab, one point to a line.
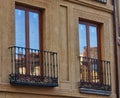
40	12
97	25
88	36
28	9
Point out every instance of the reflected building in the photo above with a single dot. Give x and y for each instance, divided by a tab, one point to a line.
88	66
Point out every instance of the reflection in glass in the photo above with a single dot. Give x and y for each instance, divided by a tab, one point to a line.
27	36
82	39
34	30
88	44
20	27
93	42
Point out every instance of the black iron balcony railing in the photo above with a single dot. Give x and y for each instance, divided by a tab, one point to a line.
95	76
33	67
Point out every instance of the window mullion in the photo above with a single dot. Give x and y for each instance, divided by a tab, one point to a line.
27	40
88	40
27	27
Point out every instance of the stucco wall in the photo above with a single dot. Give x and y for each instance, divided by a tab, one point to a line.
60	34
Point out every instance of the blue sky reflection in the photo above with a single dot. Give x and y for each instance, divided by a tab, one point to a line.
34	30
82	37
20	29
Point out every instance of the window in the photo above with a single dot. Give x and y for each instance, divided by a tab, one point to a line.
89	48
88	38
94	72
28	32
28	27
31	65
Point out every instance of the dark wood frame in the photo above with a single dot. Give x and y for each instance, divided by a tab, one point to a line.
28	9
97	25
88	37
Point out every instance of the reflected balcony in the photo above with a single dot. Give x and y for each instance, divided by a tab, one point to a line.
33	67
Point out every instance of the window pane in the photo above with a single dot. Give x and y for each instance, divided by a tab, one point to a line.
20	27
34	30
82	39
93	42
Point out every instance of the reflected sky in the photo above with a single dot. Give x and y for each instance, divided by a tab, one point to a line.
34	30
88	39
93	36
20	29
82	37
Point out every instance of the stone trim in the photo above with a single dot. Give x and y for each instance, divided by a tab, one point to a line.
102	7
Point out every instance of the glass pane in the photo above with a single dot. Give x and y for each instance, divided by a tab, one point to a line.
82	40
34	30
93	42
20	27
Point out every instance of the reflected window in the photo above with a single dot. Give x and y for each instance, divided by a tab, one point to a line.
88	40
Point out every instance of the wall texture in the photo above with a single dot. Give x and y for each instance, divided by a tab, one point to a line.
60	34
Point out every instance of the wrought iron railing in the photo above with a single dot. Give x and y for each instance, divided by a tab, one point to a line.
33	67
95	75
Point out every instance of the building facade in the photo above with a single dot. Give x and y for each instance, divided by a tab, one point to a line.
57	49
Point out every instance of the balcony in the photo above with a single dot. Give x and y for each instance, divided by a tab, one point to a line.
33	67
95	76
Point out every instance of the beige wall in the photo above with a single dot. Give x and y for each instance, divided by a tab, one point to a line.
61	35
